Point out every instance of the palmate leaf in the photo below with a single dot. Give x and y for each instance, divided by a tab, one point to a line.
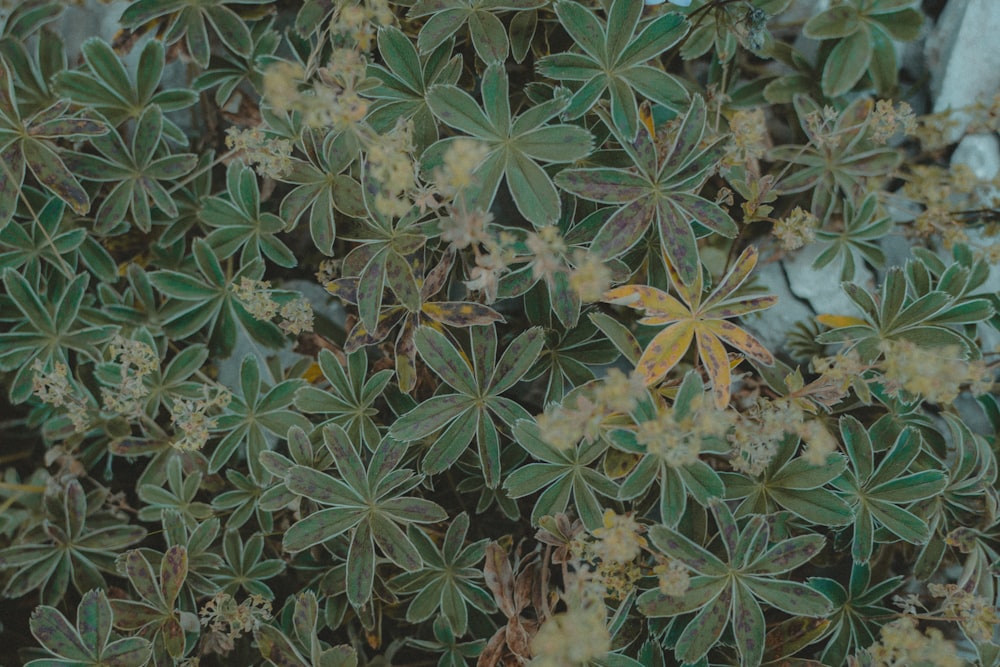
614	60
880	494
694	318
661	187
729	592
864	34
136	170
322	190
421	309
369	500
255	415
190	19
240	225
300	647
50	329
794	484
658	471
76	544
30	144
107	87
447	17
155	615
857	611
202	298
910	307
517	145
449	580
474	410
560	476
88	644
405	79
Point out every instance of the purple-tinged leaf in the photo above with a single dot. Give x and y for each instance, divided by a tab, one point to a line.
127	652
749	627
173	637
320	527
442	357
173	572
55	633
789	596
67	127
676	545
140	573
703	631
702	589
360	566
51	172
688	137
678	242
601	184
726	523
624	229
706	213
394	543
321	487
788	555
75	507
11	178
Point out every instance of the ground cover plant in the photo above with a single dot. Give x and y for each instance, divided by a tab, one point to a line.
433	332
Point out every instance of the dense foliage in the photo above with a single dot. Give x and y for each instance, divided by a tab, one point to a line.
414	332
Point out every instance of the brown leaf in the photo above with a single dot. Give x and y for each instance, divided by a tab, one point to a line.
494	650
500	578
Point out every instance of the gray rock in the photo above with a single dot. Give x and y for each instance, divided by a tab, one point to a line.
771	326
964	68
980	153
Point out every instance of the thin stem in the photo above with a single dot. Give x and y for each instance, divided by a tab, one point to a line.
26	488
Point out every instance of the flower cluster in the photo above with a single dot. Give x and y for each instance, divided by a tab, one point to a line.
190	418
572	638
797	230
759	430
677	440
977	615
749	140
902	644
673	577
390	163
269	157
458	167
886	120
55	388
547	249
580	418
126	397
590	278
937	375
228	620
257	297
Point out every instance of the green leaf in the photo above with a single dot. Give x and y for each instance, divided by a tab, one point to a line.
838	21
789	596
847	63
442	357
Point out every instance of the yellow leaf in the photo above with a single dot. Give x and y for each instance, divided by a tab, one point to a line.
713	357
617	463
739	339
657	303
664	351
313	373
837	321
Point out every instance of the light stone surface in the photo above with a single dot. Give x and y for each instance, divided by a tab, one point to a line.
772	325
965	67
962	56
